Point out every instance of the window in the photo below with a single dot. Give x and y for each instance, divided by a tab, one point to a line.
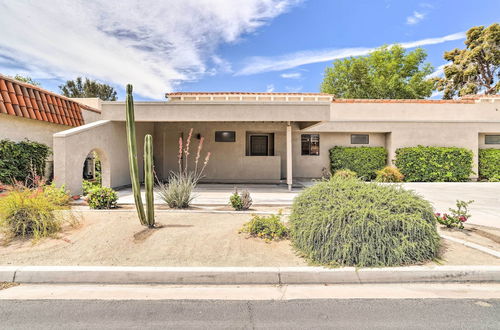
225	136
310	144
260	144
492	139
360	139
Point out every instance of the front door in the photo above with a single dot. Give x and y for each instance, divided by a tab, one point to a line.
259	145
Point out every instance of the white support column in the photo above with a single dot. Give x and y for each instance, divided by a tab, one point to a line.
289	158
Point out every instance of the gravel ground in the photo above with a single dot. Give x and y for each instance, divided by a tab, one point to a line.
115	238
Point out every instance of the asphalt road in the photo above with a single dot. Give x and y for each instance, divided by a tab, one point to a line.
215	314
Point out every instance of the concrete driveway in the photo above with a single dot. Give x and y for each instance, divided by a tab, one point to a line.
485	210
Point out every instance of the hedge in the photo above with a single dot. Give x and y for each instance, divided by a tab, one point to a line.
362	160
432	164
489	164
19	159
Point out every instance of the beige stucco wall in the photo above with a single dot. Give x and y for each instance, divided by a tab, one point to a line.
314	166
108	139
228	162
18	128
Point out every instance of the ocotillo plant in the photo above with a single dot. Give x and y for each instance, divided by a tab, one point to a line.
134	170
149	179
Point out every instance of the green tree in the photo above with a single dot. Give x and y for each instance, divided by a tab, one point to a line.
26	79
88	88
475	69
386	73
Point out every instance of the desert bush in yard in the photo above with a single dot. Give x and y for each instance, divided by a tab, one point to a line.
240	201
178	192
58	196
457	216
347	222
267	227
18	160
345	174
362	160
431	164
88	185
489	164
102	198
29	213
389	174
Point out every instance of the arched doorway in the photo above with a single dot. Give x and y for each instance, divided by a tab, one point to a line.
95	170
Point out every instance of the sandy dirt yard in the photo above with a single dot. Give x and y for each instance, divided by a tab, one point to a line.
115	238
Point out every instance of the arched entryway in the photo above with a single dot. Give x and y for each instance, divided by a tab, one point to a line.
96	169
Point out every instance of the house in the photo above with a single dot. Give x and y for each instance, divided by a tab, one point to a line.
30	112
272	137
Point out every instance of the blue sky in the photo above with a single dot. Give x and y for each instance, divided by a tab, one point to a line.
213	45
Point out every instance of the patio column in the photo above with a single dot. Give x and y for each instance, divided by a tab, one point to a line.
289	158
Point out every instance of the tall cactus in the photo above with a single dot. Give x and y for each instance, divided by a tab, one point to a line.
134	168
149	180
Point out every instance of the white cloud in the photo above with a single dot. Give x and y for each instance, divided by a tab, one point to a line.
270	88
154	45
259	64
415	18
293	89
291	75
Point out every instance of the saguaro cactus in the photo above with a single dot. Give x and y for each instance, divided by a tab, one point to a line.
149	180
134	169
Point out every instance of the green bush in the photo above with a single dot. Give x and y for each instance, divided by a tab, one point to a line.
362	160
240	201
29	213
21	160
178	193
347	222
431	164
267	227
345	174
489	164
102	198
58	196
389	174
87	186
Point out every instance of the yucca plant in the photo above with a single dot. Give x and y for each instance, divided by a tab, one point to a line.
146	219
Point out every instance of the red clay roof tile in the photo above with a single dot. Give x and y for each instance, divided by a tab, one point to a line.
25	100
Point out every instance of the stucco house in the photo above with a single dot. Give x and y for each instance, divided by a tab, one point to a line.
271	137
30	112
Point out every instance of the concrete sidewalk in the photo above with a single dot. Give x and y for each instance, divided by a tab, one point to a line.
485	210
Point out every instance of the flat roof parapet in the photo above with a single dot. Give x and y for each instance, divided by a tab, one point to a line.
231	97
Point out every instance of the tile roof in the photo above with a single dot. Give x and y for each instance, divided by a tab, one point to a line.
240	93
28	101
463	100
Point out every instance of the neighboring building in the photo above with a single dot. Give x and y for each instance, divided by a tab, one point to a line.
30	112
272	137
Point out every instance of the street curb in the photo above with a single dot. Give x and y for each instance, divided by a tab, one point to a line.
246	275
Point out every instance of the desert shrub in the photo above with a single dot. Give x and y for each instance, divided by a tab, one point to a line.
29	213
489	164
389	174
348	222
58	196
431	164
267	227
240	201
362	160
18	160
102	198
457	216
88	185
177	193
345	174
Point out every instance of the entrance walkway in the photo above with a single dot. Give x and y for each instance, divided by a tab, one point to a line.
485	210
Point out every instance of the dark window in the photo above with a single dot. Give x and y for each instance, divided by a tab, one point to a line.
310	144
225	136
492	139
360	139
260	144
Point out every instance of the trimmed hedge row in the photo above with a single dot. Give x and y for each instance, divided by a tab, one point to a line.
19	159
365	161
489	164
430	164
